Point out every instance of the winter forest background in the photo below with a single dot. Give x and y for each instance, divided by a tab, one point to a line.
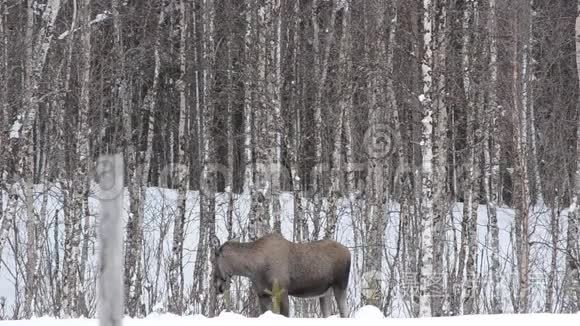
435	138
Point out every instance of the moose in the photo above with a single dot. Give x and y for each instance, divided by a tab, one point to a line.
304	270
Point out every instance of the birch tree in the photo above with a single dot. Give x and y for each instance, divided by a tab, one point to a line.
426	280
491	157
176	281
440	145
572	273
207	184
520	139
82	169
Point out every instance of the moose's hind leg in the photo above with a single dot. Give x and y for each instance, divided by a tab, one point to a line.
325	305
285	305
340	296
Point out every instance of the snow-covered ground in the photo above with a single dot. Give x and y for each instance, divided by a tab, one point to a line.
365	314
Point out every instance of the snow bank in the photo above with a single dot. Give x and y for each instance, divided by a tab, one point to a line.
269	319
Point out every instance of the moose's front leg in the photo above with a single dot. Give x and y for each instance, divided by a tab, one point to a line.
265	301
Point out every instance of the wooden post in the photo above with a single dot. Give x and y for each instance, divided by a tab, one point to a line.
110	282
276	294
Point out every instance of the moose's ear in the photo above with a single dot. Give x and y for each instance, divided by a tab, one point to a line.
215	244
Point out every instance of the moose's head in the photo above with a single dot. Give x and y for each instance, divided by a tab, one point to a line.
221	278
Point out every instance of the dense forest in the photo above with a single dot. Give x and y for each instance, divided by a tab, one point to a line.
442	134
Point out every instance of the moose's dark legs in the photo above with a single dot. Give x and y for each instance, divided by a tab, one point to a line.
265	302
285	305
325	305
340	296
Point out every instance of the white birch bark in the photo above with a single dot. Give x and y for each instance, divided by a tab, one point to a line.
207	185
139	179
491	156
377	165
36	52
175	268
469	238
295	122
133	246
317	101
426	166
528	82
275	86
440	193
555	237
4	66
24	158
83	155
320	73
230	139
572	296
260	212
248	98
345	106
519	118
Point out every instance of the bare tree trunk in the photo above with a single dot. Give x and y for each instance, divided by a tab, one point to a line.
491	154
276	94
207	185
24	170
426	280
555	235
4	66
262	190
175	268
35	58
134	231
345	105
231	148
440	193
5	222
469	239
83	155
248	97
294	144
321	61
521	196
528	84
572	299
